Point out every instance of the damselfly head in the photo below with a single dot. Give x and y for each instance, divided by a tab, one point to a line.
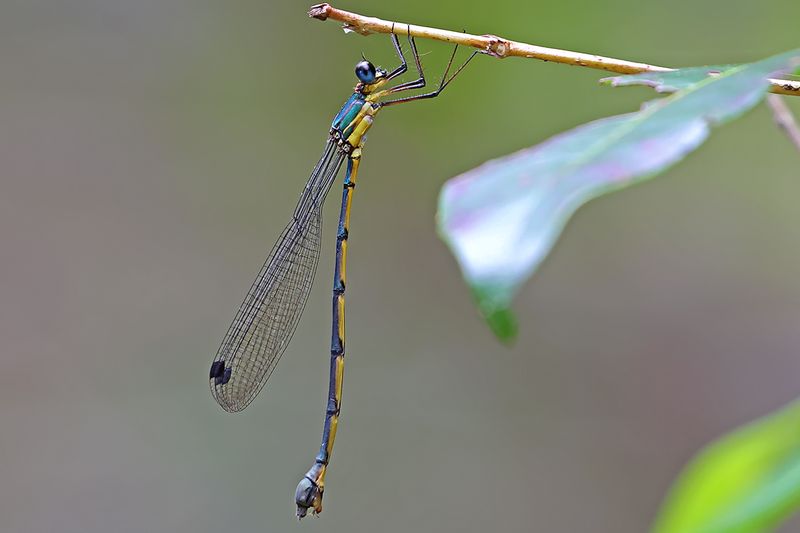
365	72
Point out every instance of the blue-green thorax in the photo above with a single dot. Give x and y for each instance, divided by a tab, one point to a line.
343	122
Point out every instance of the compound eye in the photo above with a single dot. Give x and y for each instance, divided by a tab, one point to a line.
365	71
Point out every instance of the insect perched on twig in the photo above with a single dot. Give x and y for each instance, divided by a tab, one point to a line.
267	318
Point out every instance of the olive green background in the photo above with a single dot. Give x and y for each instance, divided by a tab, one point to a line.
151	152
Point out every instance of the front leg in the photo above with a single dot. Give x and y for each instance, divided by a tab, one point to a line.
403	67
419	82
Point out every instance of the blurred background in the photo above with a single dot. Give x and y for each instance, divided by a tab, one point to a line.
152	151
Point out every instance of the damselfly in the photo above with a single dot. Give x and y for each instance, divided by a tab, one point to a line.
271	310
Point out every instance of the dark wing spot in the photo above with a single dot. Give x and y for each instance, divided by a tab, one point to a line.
217	368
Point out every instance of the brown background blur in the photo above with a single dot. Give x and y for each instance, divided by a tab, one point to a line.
151	152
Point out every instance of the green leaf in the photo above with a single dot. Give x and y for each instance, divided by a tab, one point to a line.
668	81
748	481
502	218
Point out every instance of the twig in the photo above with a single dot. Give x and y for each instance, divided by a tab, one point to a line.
499	47
784	118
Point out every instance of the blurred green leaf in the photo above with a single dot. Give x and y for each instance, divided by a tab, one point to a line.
502	218
748	481
669	81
